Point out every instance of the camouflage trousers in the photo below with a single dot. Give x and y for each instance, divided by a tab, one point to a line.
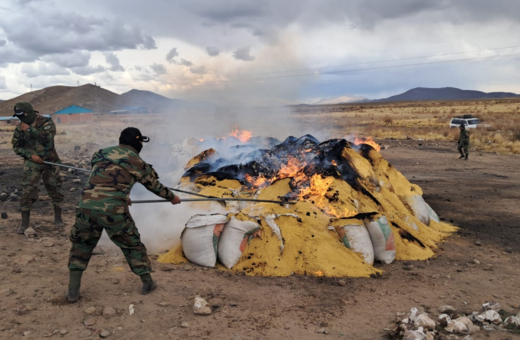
121	229
464	147
32	173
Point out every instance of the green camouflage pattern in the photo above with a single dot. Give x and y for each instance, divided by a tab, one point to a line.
30	180
464	137
121	229
464	142
115	170
38	140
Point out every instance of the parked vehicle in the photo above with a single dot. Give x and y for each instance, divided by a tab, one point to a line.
468	120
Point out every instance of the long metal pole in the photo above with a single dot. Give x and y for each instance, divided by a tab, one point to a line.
217	200
67	166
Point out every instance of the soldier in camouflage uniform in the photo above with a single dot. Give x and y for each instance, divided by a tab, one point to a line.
33	139
463	142
104	205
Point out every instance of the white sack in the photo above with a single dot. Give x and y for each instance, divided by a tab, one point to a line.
356	238
419	208
433	214
233	240
382	238
200	238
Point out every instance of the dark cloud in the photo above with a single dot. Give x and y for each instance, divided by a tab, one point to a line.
87	70
43	69
60	32
185	62
244	54
113	61
226	11
212	51
172	54
69	60
198	70
158	68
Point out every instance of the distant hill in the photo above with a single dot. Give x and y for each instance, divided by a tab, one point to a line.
152	101
341	100
54	98
446	93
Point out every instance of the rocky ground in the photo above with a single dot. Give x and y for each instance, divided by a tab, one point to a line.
476	265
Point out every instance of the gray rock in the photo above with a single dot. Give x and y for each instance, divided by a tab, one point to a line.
89	321
90	310
109	312
201	306
63	331
30	232
104	333
185	325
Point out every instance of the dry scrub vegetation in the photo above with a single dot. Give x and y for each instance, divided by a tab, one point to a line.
422	120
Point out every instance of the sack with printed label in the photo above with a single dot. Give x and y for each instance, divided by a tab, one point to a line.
382	238
356	238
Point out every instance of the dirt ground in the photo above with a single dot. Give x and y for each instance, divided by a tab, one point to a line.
480	195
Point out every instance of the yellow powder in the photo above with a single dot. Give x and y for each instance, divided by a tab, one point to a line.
309	247
174	256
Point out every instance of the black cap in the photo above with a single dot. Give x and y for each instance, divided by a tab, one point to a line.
135	134
132	136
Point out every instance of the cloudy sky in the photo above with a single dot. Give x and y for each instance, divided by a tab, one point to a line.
260	52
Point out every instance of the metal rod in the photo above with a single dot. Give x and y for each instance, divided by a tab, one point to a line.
207	198
191	193
66	166
216	199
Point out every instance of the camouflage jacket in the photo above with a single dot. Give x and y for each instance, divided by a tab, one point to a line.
114	172
37	140
464	137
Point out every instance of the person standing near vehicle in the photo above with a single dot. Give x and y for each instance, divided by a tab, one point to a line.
104	205
33	140
463	142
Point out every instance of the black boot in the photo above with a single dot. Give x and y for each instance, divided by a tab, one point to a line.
25	222
58	222
466	158
149	285
74	284
461	156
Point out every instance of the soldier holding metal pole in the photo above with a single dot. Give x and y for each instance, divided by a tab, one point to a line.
33	140
104	206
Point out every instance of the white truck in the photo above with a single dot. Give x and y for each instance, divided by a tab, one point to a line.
468	120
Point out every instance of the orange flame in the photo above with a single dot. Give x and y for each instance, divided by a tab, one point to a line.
318	273
291	169
242	135
258	182
369	141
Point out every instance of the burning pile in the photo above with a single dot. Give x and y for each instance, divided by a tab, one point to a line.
352	208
